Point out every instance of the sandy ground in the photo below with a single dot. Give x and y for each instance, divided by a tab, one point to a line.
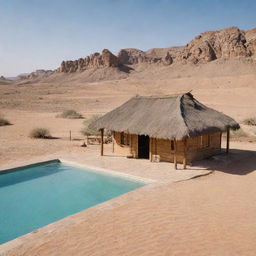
210	215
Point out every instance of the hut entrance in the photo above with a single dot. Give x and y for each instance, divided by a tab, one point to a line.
143	146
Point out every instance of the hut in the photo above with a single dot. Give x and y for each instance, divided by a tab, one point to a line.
173	128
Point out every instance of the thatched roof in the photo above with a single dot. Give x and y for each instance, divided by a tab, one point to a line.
166	117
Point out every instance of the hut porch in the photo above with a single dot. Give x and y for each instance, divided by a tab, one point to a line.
163	150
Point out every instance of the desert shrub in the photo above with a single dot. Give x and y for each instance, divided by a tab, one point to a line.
4	121
86	131
71	114
40	133
89	132
250	121
238	133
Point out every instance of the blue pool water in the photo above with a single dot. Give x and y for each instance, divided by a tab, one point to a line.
35	196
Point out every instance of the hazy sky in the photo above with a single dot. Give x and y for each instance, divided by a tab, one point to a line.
38	34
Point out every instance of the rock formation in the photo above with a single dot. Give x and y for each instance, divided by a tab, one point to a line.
134	56
208	46
96	60
250	36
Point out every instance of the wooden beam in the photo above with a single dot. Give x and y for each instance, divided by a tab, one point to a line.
130	142
113	142
150	148
228	135
102	141
175	154
185	154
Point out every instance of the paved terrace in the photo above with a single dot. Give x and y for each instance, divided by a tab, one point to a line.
142	168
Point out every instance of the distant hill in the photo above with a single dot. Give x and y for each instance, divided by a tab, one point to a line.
40	73
206	47
4	80
230	48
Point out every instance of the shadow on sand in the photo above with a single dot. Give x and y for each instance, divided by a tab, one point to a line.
52	138
237	162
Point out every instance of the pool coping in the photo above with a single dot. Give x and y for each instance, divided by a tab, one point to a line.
90	167
14	169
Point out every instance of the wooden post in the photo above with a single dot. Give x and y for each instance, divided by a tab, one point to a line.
113	142
150	148
70	138
185	154
228	135
175	156
130	142
102	141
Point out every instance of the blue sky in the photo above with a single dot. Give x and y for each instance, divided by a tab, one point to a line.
41	33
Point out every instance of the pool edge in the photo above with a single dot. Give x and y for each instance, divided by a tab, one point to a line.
90	167
13	169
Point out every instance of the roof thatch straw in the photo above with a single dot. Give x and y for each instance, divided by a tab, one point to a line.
167	117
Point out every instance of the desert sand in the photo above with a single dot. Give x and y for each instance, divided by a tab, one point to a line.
209	215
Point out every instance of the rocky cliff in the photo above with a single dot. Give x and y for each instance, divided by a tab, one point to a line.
208	46
96	60
226	43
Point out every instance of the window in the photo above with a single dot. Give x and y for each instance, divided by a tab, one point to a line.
125	139
205	141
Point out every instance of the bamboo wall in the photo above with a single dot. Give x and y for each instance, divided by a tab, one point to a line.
162	148
197	152
128	150
197	147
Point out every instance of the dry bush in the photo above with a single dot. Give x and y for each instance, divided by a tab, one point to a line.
93	135
250	121
238	133
4	121
90	132
40	133
71	114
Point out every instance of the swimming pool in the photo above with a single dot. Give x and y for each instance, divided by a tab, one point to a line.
34	196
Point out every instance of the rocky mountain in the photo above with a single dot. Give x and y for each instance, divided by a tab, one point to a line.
40	73
208	46
96	60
